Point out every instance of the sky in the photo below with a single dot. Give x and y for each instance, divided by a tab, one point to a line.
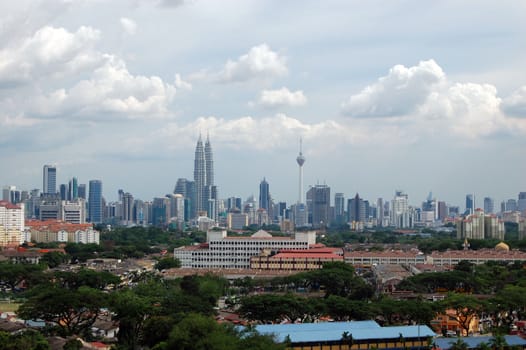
416	95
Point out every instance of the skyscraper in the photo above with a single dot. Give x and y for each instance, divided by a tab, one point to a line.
264	195
95	208
339	208
49	185
318	205
470	204
73	189
489	205
400	215
204	176
356	209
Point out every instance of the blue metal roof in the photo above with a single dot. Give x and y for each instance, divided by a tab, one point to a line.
474	342
333	331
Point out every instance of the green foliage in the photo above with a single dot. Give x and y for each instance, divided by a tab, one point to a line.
13	274
197	332
28	339
71	311
54	259
167	263
466	307
85	277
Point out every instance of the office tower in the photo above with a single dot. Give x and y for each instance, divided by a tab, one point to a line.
318	204
521	203
470	204
11	195
442	211
82	191
380	212
50	180
264	195
511	205
400	214
73	189
233	203
300	159
95	204
63	190
339	208
186	188
489	205
356	210
203	175
127	208
160	211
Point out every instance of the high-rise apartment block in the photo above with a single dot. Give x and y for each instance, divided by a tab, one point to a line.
480	226
11	224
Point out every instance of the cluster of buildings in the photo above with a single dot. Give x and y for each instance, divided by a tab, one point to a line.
196	202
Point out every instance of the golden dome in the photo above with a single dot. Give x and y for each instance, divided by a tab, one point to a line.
502	246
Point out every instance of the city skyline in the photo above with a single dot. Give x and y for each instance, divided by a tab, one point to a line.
385	97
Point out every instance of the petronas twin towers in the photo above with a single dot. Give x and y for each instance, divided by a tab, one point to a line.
205	191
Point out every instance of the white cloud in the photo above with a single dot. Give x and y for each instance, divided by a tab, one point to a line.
111	89
129	25
49	52
259	63
515	105
181	84
398	93
282	97
422	94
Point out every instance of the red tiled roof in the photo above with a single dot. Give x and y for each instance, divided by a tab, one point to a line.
9	205
306	255
55	225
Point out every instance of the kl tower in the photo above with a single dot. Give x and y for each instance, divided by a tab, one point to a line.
300	209
300	160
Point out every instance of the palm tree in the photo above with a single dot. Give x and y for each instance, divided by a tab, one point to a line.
498	342
459	344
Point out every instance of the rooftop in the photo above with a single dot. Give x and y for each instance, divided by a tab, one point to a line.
333	331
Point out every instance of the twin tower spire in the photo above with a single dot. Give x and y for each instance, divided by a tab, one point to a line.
204	175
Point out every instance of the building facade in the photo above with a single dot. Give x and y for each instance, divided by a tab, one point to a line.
11	224
221	251
95	203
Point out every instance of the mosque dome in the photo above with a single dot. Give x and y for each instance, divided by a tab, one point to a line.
502	246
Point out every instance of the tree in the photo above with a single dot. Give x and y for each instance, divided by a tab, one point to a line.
71	311
466	308
54	259
498	342
167	263
132	311
459	344
198	332
29	339
86	277
14	274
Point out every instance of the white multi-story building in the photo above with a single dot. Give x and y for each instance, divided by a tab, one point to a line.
480	226
400	214
11	224
221	251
